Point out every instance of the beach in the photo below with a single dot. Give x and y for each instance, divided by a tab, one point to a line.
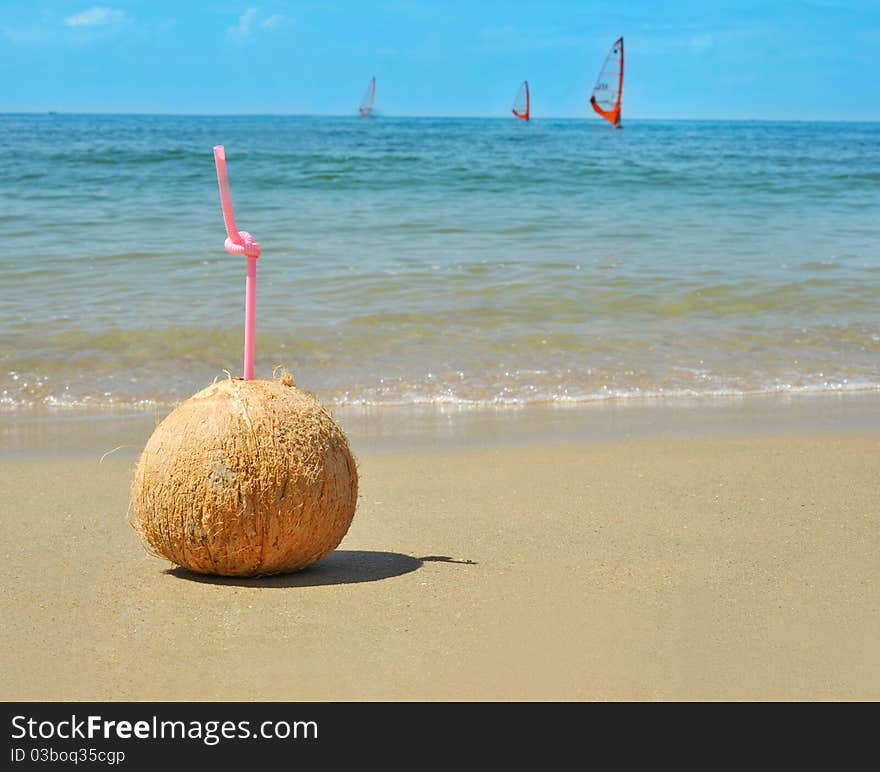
723	552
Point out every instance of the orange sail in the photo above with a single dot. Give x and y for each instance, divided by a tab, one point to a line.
369	99
609	85
521	104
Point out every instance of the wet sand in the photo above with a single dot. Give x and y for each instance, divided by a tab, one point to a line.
736	566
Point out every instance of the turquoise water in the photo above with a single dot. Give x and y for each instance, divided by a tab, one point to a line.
439	261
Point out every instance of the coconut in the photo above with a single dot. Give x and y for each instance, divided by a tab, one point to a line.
245	478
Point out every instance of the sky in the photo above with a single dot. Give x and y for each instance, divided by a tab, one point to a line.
806	60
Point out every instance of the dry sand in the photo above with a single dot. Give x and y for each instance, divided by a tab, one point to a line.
739	567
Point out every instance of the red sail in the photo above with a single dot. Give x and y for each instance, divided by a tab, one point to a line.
521	104
609	85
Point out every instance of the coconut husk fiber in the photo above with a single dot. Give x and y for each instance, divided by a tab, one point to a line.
245	478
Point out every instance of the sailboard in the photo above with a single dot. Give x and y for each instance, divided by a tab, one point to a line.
522	103
609	85
369	99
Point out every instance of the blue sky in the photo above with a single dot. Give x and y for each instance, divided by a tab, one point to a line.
814	59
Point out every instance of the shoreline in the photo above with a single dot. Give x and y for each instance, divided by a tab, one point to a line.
78	433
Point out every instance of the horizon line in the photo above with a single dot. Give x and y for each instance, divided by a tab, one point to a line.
354	115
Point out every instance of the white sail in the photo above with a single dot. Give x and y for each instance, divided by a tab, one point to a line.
369	99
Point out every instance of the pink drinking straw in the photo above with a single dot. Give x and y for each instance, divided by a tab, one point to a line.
240	243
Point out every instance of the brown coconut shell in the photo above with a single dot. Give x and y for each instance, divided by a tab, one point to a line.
245	478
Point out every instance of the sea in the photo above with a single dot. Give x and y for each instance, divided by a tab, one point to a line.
438	262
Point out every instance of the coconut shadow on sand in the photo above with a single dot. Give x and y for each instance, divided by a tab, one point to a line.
340	567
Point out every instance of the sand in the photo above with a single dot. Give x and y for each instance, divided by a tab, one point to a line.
730	567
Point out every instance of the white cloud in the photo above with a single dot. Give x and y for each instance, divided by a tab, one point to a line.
273	22
93	17
245	26
250	21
